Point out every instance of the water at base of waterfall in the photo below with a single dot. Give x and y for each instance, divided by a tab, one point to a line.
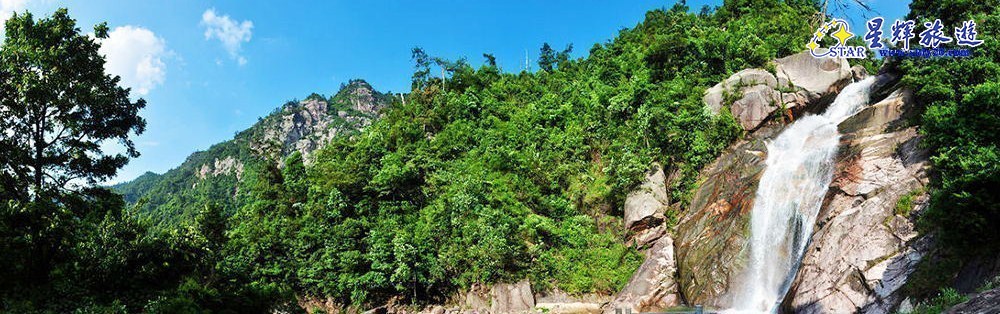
797	174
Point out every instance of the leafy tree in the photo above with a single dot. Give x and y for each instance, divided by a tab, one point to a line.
563	55
961	127
422	67
546	58
490	59
59	106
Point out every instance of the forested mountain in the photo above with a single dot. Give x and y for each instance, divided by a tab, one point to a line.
215	175
480	189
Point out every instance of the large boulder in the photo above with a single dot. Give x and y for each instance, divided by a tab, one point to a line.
652	287
863	249
754	96
644	209
512	298
818	76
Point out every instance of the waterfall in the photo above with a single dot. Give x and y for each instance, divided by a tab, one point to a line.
797	174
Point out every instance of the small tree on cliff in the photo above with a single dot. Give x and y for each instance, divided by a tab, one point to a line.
57	106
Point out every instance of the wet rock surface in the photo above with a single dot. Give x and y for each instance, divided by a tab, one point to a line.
711	239
863	250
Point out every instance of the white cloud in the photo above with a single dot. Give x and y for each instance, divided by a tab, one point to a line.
136	54
230	33
7	9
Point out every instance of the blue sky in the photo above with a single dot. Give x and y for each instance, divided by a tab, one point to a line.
208	69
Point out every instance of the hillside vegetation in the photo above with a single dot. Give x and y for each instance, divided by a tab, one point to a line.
476	176
214	176
484	176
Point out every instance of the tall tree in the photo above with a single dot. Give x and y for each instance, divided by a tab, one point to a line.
547	58
491	60
422	67
57	106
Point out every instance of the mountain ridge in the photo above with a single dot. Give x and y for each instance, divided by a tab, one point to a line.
213	175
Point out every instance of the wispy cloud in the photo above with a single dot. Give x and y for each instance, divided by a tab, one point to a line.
231	33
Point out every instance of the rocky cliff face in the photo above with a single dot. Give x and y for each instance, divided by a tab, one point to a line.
864	246
312	123
711	238
985	302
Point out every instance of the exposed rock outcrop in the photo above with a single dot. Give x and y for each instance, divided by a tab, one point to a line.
512	298
652	287
501	298
862	251
983	303
225	166
754	95
712	236
820	77
711	239
644	206
644	209
312	123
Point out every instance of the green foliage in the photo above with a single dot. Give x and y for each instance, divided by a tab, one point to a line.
960	100
80	249
174	198
575	248
58	106
479	177
989	285
960	125
933	273
905	203
483	176
947	298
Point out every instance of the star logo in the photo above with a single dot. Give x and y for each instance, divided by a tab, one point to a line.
843	34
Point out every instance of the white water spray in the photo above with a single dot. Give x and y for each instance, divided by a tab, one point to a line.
798	171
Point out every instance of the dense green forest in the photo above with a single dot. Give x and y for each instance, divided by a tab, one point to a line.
960	122
475	176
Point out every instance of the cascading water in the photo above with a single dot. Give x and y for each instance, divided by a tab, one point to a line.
799	168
